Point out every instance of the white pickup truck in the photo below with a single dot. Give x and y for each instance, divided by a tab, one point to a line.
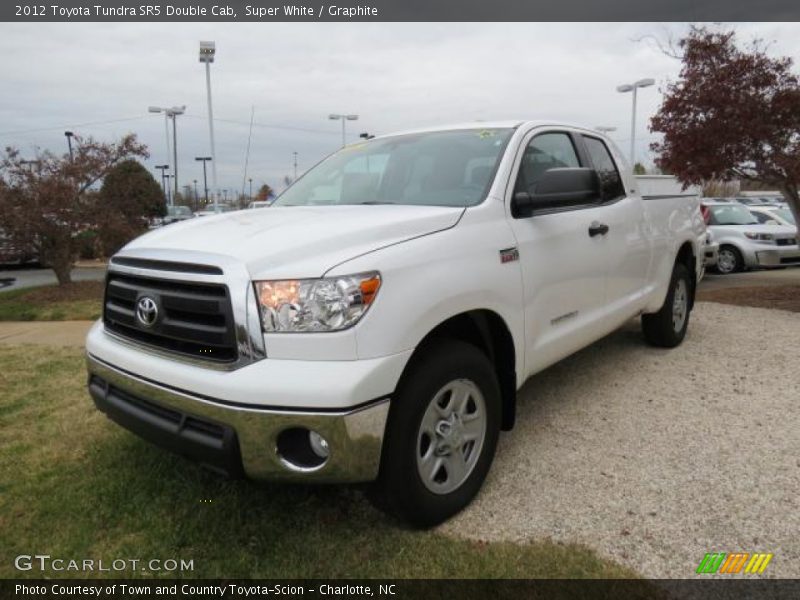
378	320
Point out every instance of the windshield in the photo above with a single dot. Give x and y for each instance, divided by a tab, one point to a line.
443	168
731	215
785	214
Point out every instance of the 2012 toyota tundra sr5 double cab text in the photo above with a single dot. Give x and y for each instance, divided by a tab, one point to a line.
377	321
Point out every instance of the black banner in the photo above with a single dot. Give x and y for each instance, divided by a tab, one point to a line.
398	10
463	589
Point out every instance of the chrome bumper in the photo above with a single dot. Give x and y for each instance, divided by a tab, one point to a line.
243	437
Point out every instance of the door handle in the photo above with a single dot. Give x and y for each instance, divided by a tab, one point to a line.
597	228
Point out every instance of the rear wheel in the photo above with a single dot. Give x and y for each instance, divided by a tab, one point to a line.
667	327
441	434
729	261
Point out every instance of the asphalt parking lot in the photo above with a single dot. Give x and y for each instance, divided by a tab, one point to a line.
654	457
12	278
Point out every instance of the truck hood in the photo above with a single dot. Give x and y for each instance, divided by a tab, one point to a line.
297	241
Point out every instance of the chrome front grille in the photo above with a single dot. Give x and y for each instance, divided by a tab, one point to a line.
191	319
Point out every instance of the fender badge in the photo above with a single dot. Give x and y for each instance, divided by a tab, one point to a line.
509	254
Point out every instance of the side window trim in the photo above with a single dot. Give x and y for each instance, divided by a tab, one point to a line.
582	154
570	135
614	162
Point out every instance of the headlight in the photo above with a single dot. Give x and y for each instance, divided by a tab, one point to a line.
759	237
328	304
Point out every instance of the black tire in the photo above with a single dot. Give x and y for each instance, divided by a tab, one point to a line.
400	489
735	260
660	329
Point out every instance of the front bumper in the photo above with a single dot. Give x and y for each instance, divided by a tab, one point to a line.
778	257
240	440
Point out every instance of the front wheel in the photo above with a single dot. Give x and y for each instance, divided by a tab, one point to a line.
667	327
729	261
441	434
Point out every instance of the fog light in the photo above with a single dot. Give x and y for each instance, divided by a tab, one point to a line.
301	449
318	444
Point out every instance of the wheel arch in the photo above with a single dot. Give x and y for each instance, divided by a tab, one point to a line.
489	332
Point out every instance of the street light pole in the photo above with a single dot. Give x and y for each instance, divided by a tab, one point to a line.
69	136
251	189
295	166
195	194
163	168
207	52
158	110
633	87
171	113
205	159
170	199
343	118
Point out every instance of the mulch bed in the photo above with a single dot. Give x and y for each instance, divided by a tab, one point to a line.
781	297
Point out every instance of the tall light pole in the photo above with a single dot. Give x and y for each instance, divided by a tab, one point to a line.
295	166
207	52
163	168
343	119
172	113
251	189
159	110
195	194
633	87
170	199
205	159
69	135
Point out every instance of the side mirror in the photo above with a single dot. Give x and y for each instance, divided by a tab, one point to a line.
556	189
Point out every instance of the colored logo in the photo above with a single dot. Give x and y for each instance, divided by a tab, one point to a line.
732	563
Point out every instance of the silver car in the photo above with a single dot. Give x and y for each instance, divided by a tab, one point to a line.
744	243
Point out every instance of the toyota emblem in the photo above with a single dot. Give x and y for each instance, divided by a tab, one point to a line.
146	311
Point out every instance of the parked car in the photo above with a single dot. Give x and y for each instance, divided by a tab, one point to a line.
260	204
758	200
13	253
744	243
221	208
177	213
773	215
381	331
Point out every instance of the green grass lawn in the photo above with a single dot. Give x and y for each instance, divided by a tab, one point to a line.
74	485
80	300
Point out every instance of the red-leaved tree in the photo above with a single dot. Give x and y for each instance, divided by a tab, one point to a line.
734	112
46	202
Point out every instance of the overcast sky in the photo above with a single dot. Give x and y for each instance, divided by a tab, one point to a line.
99	79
